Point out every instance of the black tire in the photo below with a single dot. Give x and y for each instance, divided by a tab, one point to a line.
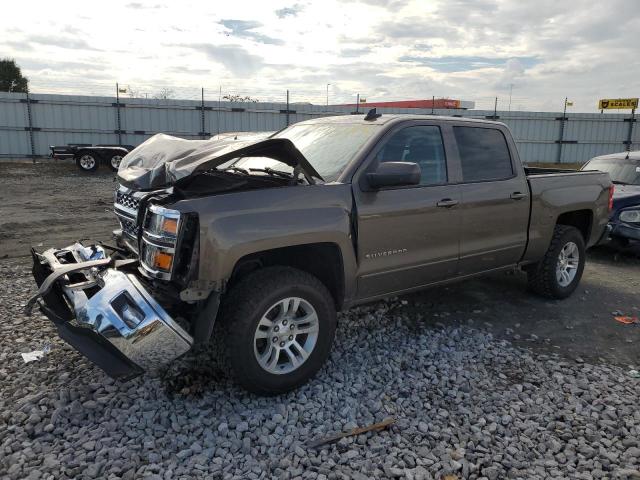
542	276
115	158
87	161
243	308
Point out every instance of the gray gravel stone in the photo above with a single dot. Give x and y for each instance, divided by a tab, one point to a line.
466	404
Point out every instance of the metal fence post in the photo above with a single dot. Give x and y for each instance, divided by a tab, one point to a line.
287	108
632	121
561	139
202	130
118	114
30	120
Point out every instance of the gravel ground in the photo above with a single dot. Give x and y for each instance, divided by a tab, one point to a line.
484	380
466	404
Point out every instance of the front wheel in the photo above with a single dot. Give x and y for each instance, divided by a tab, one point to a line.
278	325
558	273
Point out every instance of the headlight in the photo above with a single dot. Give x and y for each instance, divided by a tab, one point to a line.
159	238
162	223
631	216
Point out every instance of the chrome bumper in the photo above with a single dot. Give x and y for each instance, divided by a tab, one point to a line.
110	317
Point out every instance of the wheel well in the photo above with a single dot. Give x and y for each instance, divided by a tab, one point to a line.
95	155
580	219
323	260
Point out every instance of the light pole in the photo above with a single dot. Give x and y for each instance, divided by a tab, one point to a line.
328	94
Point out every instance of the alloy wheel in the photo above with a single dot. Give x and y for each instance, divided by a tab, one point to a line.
286	335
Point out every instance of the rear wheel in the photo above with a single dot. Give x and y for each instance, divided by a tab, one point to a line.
114	161
558	274
87	162
278	325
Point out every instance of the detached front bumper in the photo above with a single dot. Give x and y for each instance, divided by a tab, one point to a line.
104	312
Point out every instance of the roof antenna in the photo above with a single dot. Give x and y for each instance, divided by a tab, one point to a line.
372	115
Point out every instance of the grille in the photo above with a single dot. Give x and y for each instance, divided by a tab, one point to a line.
129	227
127	201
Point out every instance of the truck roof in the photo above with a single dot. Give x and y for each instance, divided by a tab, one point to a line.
386	118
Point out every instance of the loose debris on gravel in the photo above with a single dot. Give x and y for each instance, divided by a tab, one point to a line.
465	404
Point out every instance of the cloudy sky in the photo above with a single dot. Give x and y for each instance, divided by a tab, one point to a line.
383	49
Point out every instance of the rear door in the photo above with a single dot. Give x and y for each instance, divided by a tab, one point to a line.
408	236
495	201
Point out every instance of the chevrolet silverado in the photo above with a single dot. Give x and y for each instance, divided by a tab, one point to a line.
266	236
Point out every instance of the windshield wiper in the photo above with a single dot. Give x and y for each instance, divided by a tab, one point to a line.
271	171
619	182
237	169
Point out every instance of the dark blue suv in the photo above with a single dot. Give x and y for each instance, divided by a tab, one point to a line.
624	170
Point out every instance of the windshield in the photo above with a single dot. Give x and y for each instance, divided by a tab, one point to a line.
620	170
329	147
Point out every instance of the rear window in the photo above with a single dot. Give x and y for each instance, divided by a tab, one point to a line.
484	154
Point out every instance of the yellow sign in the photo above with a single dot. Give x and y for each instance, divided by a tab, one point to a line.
616	103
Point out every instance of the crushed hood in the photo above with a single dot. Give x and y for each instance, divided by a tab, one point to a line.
164	160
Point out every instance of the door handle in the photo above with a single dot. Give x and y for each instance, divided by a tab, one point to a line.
447	202
518	195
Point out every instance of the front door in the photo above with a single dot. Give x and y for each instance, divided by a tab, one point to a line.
408	236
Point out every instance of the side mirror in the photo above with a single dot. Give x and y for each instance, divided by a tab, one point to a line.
394	174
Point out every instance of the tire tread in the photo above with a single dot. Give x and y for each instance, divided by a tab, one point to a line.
542	276
240	305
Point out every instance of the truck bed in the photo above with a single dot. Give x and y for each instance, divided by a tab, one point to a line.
556	191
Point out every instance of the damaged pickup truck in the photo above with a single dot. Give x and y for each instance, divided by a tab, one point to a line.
267	236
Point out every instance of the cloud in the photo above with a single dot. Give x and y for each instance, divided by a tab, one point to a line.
66	66
291	11
61	42
245	29
387	4
416	27
354	52
382	49
143	6
465	63
234	57
18	45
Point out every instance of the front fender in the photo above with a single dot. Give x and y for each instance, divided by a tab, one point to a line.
242	223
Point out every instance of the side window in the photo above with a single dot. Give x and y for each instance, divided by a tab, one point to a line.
421	145
484	154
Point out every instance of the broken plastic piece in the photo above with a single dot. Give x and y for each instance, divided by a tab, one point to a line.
634	373
36	354
626	320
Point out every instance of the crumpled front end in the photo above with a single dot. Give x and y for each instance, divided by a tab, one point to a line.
100	307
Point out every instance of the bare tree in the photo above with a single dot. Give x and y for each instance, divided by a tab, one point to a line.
238	98
164	94
134	92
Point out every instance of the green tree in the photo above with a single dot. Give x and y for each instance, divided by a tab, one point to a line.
11	79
